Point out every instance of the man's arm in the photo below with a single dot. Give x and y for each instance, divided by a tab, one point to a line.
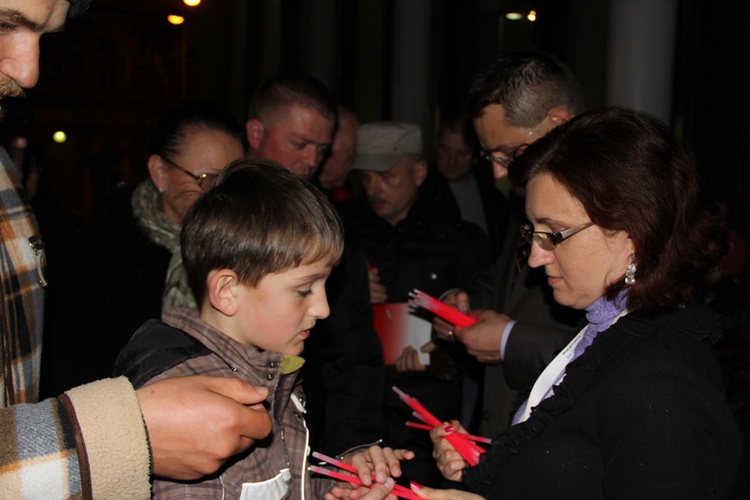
92	441
44	454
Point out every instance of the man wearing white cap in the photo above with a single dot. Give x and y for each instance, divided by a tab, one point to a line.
414	238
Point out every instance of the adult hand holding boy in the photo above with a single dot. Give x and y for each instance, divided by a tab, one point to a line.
196	423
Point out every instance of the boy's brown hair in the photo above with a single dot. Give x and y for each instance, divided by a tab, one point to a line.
258	219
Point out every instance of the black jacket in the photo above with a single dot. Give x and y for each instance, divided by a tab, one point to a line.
640	414
495	206
432	249
112	288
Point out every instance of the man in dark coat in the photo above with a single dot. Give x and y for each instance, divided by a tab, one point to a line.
414	238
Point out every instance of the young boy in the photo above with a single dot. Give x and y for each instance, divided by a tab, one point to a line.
257	249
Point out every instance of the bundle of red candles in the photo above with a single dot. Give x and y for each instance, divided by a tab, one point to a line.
463	443
398	490
440	309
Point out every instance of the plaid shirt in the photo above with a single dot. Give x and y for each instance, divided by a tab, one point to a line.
21	294
88	443
38	457
285	448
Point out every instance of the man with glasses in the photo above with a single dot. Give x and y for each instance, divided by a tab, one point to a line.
513	102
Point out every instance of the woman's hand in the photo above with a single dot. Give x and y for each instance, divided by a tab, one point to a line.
433	494
450	463
376	492
382	492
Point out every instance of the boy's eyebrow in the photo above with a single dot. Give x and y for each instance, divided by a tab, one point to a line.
313	277
15	17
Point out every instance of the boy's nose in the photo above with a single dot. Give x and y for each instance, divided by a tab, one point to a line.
320	308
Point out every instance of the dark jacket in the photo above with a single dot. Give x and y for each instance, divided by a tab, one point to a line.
495	206
432	249
114	286
640	414
344	376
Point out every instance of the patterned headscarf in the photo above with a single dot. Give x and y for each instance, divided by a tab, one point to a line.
161	230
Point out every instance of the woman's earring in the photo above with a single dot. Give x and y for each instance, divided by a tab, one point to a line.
161	190
630	272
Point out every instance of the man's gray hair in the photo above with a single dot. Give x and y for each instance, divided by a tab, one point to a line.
527	85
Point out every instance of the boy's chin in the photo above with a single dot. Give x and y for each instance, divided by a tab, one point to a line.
295	350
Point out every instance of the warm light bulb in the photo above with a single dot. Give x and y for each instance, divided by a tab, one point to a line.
176	20
59	137
191	3
514	16
532	16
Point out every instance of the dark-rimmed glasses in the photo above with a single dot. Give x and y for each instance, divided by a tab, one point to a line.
204	181
548	241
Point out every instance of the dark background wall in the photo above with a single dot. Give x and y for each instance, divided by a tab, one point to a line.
121	63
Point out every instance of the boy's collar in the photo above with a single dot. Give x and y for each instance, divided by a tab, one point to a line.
290	364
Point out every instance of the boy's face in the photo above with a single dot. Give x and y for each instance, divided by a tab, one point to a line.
279	312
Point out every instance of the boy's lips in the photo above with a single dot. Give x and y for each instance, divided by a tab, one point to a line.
304	334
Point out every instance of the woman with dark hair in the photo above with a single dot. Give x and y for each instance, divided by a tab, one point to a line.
634	406
131	266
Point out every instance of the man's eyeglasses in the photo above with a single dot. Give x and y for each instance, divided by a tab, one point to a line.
204	181
504	159
548	241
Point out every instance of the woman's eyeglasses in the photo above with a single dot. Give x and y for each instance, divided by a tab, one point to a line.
548	241
204	181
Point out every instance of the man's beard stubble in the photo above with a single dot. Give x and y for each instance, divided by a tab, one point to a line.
8	88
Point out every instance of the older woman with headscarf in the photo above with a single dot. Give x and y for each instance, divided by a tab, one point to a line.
131	268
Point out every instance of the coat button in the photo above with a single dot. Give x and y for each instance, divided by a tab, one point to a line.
269	376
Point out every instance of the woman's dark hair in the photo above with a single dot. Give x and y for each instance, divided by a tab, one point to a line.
170	129
632	174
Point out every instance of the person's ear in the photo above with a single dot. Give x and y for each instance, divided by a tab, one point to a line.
254	130
222	291
558	115
158	171
420	172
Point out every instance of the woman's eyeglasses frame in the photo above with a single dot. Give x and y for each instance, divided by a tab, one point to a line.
201	180
547	240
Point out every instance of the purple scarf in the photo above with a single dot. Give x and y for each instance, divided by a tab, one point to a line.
600	315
